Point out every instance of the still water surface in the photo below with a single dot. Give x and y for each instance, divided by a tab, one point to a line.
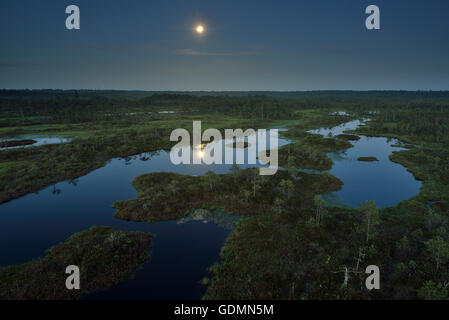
182	250
40	141
384	181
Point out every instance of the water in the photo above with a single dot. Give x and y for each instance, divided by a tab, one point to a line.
340	113
384	181
40	141
181	251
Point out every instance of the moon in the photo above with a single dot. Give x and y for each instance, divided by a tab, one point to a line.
199	29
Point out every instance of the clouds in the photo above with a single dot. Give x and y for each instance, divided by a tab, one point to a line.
123	48
161	50
190	52
249	45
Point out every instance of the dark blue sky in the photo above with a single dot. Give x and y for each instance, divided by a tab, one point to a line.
249	45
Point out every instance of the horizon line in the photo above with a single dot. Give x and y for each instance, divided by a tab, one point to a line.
264	90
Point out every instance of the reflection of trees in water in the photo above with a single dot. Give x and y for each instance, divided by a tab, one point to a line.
55	191
220	218
142	157
338	156
73	182
148	155
128	160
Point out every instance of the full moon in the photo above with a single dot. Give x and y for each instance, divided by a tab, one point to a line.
199	29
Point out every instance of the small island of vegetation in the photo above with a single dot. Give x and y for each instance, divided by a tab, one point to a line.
309	151
291	243
367	159
104	256
349	137
168	196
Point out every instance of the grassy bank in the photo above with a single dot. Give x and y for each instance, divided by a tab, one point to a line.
321	252
32	169
167	196
309	151
291	245
103	255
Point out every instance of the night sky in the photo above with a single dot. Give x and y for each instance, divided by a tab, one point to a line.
248	45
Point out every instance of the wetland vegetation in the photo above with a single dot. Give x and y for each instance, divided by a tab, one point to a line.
367	159
290	244
168	196
104	256
349	137
16	143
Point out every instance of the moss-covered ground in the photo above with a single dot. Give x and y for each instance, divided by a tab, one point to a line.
104	257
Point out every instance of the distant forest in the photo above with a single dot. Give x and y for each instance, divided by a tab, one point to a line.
421	113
